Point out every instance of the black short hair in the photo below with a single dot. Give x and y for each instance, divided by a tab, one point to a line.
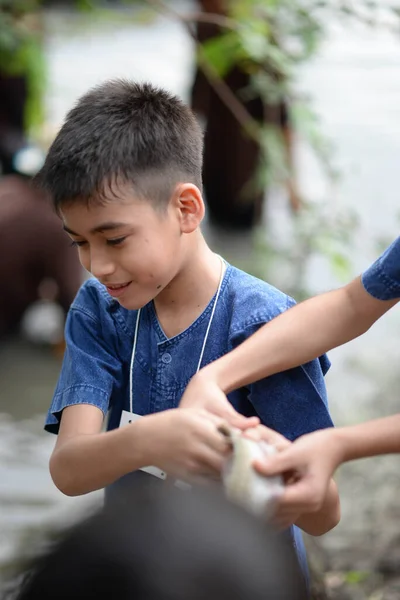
123	132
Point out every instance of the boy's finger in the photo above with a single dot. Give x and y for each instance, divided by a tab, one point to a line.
211	462
244	423
302	496
235	419
251	422
274	465
253	434
264	434
216	435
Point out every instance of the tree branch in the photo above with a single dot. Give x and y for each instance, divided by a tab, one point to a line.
213	19
219	86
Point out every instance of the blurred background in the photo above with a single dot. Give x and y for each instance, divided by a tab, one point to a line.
301	104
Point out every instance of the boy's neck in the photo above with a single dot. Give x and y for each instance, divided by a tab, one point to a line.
188	294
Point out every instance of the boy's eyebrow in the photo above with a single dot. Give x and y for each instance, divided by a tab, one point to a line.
110	225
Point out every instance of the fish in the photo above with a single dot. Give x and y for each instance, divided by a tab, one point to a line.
243	485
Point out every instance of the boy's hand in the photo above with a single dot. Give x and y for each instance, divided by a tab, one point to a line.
185	443
203	392
307	466
260	433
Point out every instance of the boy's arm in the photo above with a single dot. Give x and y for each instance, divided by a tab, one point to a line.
294	337
292	403
312	459
182	443
381	436
302	333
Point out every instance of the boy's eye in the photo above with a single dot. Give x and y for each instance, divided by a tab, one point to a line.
116	241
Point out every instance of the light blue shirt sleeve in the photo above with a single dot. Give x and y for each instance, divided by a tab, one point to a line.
382	279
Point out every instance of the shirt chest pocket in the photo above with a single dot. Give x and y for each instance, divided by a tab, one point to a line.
172	377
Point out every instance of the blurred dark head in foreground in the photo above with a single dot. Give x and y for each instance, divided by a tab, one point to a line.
165	544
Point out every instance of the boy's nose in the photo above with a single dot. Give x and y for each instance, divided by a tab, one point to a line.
100	267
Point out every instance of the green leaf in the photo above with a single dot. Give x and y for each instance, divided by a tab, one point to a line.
85	5
340	266
221	52
356	577
254	37
241	9
274	156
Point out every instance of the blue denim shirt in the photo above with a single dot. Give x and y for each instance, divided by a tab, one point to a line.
99	336
382	279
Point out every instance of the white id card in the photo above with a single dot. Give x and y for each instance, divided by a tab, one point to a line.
126	419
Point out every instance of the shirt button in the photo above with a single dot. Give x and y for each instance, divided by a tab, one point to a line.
166	358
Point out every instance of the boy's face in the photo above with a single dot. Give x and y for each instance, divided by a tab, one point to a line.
132	248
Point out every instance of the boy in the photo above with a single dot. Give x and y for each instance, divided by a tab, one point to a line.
303	332
125	176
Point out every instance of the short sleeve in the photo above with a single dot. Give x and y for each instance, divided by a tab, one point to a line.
293	402
90	365
382	279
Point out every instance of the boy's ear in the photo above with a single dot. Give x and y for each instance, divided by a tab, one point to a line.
190	206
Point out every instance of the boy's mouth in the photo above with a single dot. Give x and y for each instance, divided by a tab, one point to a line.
117	289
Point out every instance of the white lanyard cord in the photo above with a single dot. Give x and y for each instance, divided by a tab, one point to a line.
211	316
202	349
132	361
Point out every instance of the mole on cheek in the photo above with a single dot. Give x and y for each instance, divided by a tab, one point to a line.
158	287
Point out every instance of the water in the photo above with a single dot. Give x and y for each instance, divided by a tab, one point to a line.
355	84
28	499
